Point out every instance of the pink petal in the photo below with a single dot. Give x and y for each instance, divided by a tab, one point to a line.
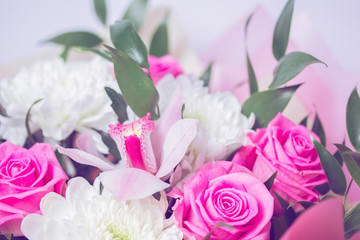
86	158
171	114
322	221
176	144
85	143
131	183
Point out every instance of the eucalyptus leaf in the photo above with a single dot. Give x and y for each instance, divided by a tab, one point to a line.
352	221
268	183
160	43
118	104
353	119
125	39
319	130
332	168
102	53
100	10
282	30
251	73
206	76
290	66
77	39
352	161
137	88
27	122
136	12
267	104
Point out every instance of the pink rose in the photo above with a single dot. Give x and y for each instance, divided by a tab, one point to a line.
223	192
286	148
159	67
25	177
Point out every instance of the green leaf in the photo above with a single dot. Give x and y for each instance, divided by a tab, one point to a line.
77	39
160	43
305	204
110	143
251	73
137	88
290	66
102	53
267	104
65	53
282	30
289	212
352	221
206	76
353	119
126	40
118	104
100	10
220	224
136	12
352	161
332	168
304	121
27	120
319	130
268	183
322	188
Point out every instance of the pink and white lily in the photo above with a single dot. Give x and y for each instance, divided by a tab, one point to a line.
150	151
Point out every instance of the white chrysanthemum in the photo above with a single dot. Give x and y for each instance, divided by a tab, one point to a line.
73	99
86	214
222	126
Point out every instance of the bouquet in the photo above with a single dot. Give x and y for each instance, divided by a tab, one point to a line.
128	145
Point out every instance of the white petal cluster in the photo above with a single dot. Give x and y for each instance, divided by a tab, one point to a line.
73	99
222	126
85	214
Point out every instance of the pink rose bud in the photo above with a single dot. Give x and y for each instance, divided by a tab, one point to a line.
286	148
223	192
161	66
25	177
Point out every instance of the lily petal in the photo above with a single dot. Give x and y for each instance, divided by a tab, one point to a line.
176	144
86	158
131	183
169	117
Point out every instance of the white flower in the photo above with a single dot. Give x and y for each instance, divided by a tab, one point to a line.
85	214
73	99
222	126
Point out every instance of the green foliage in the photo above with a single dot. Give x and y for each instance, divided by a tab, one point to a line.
251	73
352	161
319	130
160	41
118	104
268	183
136	12
206	76
100	10
31	139
353	119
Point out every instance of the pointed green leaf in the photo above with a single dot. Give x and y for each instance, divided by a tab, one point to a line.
289	212
110	143
136	12
352	161
319	130
322	188
304	121
268	183
251	73
290	66
102	53
332	168
206	76
27	124
118	104
126	40
267	104
100	10
137	88
220	224
282	30
77	39
352	221
353	119
160	43
65	53
305	204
